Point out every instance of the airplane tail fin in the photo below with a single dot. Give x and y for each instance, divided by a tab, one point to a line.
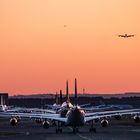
67	92
61	98
56	98
1	100
75	98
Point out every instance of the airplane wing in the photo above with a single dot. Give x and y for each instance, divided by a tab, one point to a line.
120	35
130	36
53	107
46	116
28	115
110	112
85	105
60	119
41	110
97	108
55	117
109	115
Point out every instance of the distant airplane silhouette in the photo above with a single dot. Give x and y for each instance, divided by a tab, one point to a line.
126	36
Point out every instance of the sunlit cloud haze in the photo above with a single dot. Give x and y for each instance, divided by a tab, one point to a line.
43	43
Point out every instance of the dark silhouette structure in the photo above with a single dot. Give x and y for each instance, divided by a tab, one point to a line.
4	98
39	102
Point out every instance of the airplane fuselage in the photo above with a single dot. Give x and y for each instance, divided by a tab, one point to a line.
75	117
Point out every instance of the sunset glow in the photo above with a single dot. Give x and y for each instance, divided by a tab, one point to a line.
43	43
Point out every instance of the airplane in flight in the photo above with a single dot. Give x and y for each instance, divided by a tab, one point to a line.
126	35
75	117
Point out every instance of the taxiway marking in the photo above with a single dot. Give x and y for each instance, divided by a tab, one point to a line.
81	136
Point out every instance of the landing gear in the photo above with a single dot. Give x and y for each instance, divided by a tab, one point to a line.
53	123
58	130
75	129
92	129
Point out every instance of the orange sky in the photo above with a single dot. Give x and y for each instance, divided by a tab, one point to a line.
38	53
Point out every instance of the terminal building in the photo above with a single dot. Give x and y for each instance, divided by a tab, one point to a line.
3	98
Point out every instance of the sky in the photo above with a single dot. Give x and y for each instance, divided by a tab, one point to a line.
43	43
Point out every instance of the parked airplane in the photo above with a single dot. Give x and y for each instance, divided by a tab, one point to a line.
75	116
56	105
62	105
5	108
61	108
109	107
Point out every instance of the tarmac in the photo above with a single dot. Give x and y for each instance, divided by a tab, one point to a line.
125	129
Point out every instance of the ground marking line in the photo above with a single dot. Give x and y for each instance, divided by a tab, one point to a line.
79	135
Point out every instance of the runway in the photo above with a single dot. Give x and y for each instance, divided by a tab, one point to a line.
29	130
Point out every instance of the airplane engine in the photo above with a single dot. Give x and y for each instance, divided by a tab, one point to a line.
46	124
137	119
18	119
118	117
104	123
13	121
